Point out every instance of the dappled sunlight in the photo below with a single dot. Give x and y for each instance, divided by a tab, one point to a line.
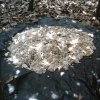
50	47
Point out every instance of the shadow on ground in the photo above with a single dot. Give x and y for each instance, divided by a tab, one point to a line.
80	82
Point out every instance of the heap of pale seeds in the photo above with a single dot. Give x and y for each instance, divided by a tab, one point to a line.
49	48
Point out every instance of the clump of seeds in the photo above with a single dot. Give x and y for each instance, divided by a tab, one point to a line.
49	48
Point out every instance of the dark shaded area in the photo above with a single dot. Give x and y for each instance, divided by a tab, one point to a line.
31	5
80	82
98	11
1	2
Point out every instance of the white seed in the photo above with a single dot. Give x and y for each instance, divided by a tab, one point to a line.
91	35
74	41
53	95
17	72
38	46
45	62
74	21
78	83
11	88
75	95
94	18
84	12
67	92
71	48
72	57
62	73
